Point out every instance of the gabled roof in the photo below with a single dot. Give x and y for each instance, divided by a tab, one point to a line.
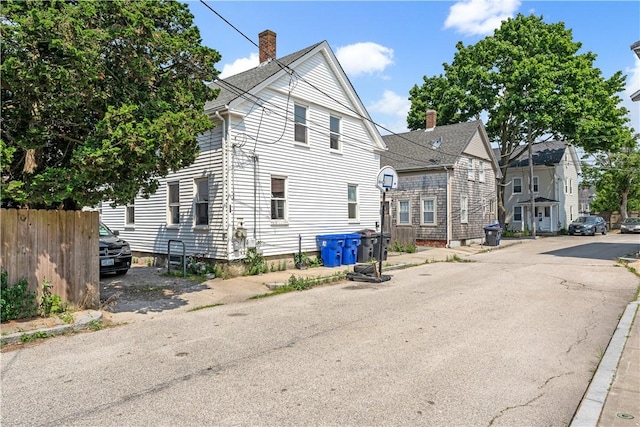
543	153
243	82
425	149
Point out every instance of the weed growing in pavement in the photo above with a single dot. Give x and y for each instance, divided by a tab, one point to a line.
202	307
51	303
303	283
33	336
456	258
96	325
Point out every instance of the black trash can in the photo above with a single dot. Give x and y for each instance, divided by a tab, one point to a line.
365	248
492	234
384	241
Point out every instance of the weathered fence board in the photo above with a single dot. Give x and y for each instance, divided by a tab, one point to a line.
59	246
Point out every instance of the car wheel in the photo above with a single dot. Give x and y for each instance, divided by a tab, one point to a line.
121	272
571	234
604	231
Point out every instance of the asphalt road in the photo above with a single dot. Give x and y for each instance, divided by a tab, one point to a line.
511	339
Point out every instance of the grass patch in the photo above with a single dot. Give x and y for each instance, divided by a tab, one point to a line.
34	336
202	307
303	283
456	258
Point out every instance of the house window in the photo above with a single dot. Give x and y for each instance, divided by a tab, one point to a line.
464	209
404	216
300	127
570	213
130	216
536	188
334	137
492	206
428	214
484	205
517	185
202	201
174	202
352	194
470	175
570	186
481	171
566	186
278	198
517	213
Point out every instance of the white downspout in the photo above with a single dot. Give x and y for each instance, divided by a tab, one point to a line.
225	187
449	219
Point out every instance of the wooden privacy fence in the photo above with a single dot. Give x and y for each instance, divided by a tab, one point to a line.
59	246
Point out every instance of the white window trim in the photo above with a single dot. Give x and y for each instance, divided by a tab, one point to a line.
513	188
338	134
398	212
435	211
285	220
481	174
169	205
356	203
127	223
471	173
196	197
306	125
464	209
514	214
536	183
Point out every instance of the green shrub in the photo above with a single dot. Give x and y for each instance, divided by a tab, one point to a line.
254	262
51	303
16	302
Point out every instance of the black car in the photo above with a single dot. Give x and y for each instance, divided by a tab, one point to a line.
590	224
630	225
115	253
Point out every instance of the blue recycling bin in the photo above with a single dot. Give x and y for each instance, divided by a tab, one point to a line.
350	249
331	249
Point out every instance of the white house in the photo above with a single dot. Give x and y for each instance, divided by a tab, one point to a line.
556	170
293	155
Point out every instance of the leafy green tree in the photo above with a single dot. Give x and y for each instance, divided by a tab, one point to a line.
616	178
99	99
531	83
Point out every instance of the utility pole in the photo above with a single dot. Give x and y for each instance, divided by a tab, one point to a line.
534	217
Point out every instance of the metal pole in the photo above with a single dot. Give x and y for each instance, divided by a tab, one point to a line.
380	249
534	217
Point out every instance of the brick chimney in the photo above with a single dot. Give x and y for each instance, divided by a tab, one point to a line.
267	45
432	116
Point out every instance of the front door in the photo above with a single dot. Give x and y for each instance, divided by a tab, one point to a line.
543	216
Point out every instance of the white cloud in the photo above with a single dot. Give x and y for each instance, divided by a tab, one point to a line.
240	65
394	108
480	17
364	58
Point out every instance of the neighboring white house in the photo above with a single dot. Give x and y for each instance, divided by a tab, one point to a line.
446	192
556	191
294	154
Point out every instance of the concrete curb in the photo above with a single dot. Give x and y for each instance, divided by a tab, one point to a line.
81	323
590	409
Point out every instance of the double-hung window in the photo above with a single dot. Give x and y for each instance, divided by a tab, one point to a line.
480	170
334	135
278	198
130	216
517	185
202	201
428	214
173	203
517	213
464	208
352	194
536	187
470	173
404	212
300	126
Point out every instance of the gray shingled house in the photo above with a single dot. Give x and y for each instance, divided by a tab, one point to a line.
446	192
556	171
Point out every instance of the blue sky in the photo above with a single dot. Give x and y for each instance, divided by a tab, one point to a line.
386	47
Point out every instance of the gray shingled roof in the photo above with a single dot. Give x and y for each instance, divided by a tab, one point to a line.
247	80
415	150
543	153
